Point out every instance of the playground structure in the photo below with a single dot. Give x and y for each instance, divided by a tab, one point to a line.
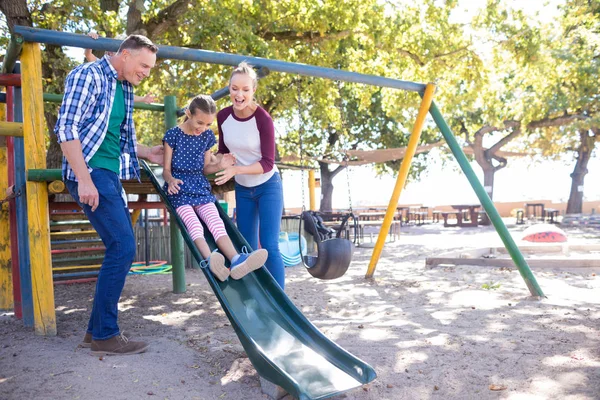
32	210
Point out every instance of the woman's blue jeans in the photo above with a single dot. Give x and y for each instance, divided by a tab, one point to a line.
112	222
258	214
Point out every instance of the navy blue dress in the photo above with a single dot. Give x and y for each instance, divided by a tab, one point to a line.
187	164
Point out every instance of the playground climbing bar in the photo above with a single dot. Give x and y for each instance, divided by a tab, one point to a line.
212	57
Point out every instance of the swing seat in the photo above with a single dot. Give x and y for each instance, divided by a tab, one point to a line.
334	255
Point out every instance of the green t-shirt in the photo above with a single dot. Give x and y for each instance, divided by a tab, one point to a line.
109	154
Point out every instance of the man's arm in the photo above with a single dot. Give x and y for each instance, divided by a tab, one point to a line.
88	194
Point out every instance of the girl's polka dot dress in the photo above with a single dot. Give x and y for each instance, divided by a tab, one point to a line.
187	164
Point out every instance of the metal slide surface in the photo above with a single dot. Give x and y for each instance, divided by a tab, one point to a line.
284	347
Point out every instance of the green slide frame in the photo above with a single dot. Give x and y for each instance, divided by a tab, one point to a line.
283	346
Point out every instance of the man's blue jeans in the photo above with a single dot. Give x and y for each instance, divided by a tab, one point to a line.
258	213
112	222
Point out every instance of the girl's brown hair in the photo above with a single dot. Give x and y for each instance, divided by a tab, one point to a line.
204	103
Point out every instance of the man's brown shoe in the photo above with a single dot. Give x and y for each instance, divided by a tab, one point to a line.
117	346
86	343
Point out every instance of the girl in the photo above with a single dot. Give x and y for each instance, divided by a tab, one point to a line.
247	130
187	159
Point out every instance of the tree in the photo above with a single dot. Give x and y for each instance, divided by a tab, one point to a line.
537	85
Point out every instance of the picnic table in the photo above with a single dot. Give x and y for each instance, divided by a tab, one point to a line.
467	215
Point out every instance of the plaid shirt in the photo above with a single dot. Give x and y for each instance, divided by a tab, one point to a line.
84	113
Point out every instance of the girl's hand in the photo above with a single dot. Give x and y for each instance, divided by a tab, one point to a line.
225	175
173	186
228	160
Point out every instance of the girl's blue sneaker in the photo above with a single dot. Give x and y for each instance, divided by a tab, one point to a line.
246	263
216	264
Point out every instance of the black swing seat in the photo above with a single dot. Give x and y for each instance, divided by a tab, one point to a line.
334	254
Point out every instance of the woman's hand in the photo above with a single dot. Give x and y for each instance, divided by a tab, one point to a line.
225	175
173	185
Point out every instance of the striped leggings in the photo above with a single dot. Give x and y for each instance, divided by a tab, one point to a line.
208	213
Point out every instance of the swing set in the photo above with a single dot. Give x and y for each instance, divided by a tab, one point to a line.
33	132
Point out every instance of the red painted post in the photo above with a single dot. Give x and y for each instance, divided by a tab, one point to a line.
12	208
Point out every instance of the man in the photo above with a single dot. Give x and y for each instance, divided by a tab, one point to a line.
96	134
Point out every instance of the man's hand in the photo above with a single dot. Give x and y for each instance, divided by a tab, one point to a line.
148	99
153	154
88	194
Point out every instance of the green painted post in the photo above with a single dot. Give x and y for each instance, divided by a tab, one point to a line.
486	202
177	249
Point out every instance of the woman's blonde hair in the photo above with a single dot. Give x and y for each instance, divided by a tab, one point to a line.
245	69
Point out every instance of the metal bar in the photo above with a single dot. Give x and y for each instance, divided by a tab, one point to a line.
12	209
180	53
69	206
10	80
11	129
12	54
34	130
146	236
487	203
413	142
177	248
57	98
44	175
22	219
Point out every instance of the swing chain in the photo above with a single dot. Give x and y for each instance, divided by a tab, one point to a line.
300	132
345	148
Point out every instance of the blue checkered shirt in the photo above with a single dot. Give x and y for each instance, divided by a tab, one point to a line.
84	113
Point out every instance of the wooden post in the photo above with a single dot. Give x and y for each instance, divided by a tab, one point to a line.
6	286
37	192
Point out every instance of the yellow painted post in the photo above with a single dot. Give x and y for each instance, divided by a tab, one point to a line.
311	189
401	180
135	215
6	286
37	192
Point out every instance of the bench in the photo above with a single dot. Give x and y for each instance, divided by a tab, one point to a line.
446	214
520	216
551	214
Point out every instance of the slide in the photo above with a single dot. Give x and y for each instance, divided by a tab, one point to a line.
284	347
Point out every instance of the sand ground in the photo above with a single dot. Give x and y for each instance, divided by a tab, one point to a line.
454	332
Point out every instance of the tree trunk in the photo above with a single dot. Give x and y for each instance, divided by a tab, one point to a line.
327	176
326	188
584	152
16	13
488	180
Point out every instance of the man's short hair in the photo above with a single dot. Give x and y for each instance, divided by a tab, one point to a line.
137	42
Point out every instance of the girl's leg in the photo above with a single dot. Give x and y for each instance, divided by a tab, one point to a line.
242	264
209	214
270	208
194	227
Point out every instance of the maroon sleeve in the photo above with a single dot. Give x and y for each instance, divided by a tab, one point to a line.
266	129
221	117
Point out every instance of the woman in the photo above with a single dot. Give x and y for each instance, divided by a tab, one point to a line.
247	131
